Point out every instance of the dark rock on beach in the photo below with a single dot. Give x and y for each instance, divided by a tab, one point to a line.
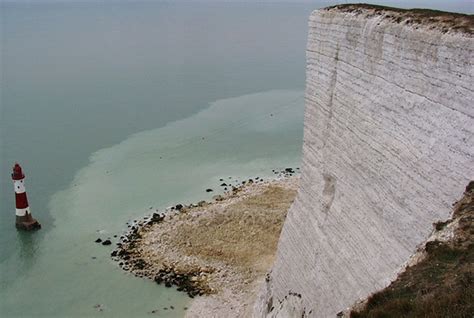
157	218
139	264
106	242
186	281
99	240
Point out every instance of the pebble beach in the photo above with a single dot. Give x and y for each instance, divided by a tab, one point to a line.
216	251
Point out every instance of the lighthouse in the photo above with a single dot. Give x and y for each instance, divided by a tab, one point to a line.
24	220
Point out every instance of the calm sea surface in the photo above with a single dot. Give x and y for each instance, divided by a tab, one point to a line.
116	108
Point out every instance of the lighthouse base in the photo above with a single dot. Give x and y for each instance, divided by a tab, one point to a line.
27	223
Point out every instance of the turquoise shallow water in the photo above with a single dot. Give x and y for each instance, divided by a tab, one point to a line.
241	137
78	77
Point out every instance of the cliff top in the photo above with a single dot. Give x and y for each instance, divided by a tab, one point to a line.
439	20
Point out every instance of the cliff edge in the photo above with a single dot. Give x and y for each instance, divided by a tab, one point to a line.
388	148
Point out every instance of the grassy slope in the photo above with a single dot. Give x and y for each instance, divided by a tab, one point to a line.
439	286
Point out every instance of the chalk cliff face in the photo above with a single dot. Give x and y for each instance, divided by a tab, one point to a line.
388	147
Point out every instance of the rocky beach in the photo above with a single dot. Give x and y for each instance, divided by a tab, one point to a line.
218	251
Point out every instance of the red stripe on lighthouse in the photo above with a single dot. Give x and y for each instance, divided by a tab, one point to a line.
21	200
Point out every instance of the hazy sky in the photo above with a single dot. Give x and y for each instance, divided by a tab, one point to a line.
465	6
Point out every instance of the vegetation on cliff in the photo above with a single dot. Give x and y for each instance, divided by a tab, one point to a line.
442	284
446	21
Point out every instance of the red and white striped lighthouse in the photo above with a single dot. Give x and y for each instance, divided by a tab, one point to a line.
24	220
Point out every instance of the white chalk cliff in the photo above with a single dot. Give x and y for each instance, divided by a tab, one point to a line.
388	147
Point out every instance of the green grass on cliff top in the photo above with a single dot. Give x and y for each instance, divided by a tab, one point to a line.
440	286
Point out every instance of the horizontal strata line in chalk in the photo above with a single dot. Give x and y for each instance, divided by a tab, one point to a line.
392	160
457	149
343	22
313	86
408	121
365	79
388	61
459	62
351	168
367	136
407	41
333	44
406	89
314	66
398	136
391	40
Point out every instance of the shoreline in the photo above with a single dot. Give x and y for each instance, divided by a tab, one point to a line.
216	251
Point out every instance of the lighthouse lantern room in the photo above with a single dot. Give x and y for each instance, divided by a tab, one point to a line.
24	220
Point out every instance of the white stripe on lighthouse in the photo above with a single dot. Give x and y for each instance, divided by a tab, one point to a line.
19	186
22	212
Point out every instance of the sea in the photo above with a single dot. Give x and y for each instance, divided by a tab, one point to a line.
117	109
